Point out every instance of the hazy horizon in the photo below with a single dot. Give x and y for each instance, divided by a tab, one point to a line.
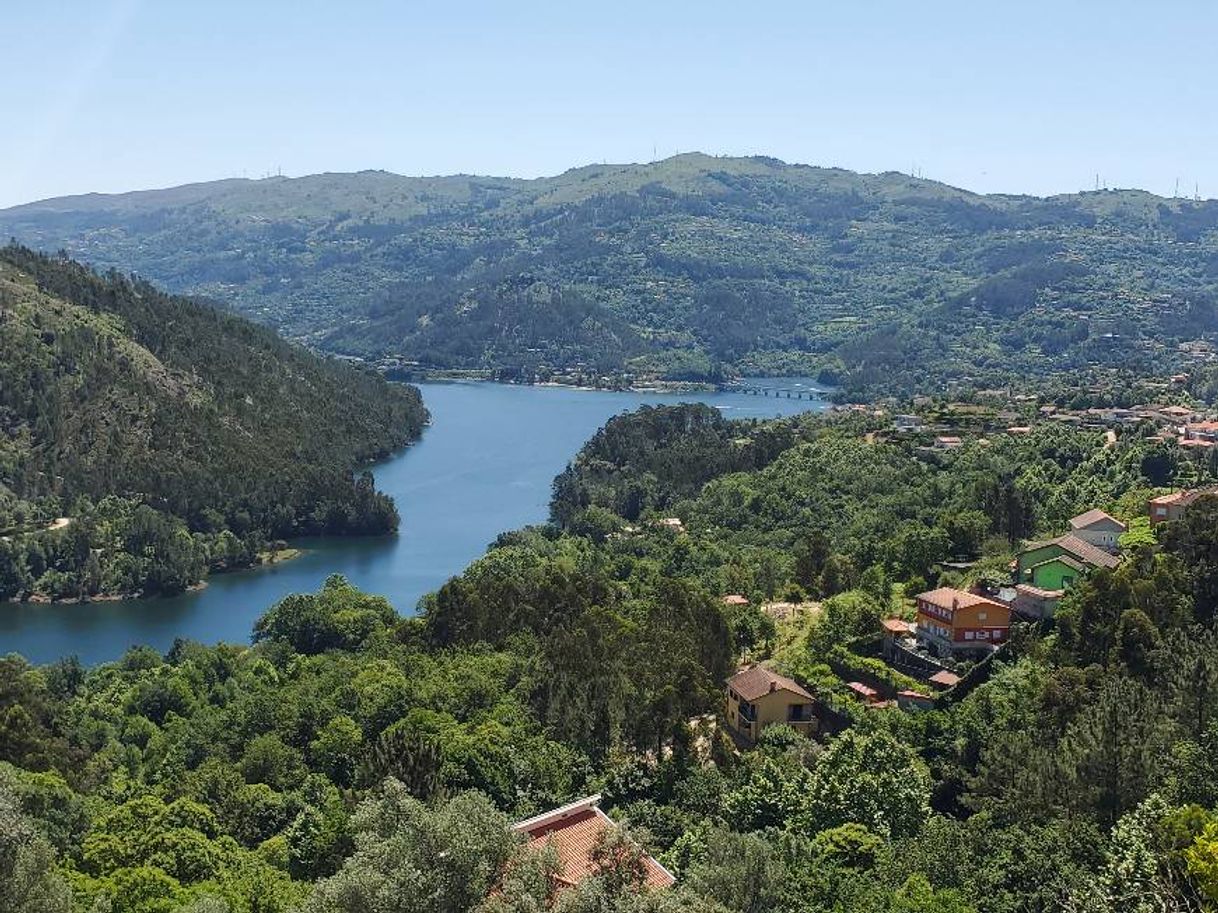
575	167
1041	99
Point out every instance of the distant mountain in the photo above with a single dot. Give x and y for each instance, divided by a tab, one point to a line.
683	268
169	436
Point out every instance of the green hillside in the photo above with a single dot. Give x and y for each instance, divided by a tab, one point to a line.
351	760
681	268
170	436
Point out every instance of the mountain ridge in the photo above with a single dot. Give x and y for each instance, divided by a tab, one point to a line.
693	267
101	197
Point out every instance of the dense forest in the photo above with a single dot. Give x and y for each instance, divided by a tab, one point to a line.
146	438
694	267
355	761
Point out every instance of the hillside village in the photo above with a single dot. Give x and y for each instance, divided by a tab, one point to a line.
938	644
954	634
1189	426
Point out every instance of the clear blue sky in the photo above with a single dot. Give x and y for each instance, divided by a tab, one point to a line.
1035	97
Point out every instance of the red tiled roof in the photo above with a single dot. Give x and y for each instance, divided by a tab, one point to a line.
575	831
735	599
945	678
1172	498
1185	497
1190	496
897	626
951	599
757	681
1080	549
867	694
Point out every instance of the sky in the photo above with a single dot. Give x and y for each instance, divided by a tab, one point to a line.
1028	97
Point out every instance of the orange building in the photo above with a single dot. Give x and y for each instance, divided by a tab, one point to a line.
953	622
1175	505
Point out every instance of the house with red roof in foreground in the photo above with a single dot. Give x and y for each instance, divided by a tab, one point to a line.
576	832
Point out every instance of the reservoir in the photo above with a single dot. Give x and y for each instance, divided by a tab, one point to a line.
483	466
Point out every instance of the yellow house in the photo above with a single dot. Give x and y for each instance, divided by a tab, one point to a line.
757	697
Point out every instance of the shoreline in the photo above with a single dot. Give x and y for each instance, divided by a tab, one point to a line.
656	386
266	559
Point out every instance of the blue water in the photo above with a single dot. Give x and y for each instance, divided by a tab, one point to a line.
483	466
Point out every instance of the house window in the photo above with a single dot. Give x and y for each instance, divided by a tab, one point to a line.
983	635
981	616
799	713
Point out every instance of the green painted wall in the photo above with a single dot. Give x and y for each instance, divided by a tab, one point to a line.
1036	556
1054	576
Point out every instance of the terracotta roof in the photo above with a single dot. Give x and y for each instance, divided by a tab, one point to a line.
735	599
757	681
950	599
1092	517
1172	498
1189	497
945	679
897	626
1089	553
1185	497
575	831
914	695
1080	549
867	694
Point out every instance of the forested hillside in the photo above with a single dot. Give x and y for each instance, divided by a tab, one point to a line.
353	761
685	268
146	438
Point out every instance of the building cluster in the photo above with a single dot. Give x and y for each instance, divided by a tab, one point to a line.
950	625
1190	428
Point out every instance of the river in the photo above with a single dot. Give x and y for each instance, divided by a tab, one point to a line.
483	466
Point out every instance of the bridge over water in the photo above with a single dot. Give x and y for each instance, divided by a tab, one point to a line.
776	392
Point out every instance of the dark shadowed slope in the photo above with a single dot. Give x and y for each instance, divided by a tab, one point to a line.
171	436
